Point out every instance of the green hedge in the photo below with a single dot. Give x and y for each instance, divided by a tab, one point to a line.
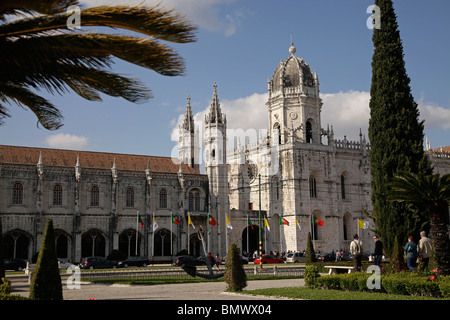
5	292
400	283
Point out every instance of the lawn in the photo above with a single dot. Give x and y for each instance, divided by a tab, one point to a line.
318	294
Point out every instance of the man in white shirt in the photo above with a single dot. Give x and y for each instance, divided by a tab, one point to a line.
356	249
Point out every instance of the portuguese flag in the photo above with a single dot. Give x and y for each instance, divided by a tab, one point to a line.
250	223
212	221
284	221
318	222
174	220
141	223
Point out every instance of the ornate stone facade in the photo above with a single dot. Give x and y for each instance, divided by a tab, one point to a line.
295	173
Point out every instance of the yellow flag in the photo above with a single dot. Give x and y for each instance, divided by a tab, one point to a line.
363	224
297	224
228	223
190	221
266	224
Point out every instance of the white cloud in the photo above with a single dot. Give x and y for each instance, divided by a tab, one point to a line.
348	112
434	115
66	141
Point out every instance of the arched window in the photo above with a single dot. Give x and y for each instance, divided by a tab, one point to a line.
347	224
17	196
163	198
343	186
309	135
130	198
194	200
95	196
312	187
57	195
277	132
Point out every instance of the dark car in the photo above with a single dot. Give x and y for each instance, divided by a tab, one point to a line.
97	263
133	262
15	264
188	261
321	257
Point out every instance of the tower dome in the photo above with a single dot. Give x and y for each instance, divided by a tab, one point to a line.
292	72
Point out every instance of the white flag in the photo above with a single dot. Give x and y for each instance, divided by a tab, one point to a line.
155	224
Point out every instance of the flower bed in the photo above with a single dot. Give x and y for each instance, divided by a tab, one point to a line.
404	283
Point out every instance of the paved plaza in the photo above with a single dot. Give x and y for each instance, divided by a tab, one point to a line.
186	291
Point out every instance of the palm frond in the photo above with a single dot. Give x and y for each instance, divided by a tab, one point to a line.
93	50
420	188
164	25
48	115
13	7
40	52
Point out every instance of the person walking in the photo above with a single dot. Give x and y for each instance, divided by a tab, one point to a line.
218	261
424	249
356	249
411	253
378	253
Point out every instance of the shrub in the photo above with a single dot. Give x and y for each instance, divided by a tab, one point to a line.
444	287
5	287
310	253
311	276
349	281
235	276
332	282
46	282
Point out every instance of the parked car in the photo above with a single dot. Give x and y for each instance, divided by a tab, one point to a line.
322	257
243	259
188	261
64	265
268	258
133	262
97	263
15	264
295	257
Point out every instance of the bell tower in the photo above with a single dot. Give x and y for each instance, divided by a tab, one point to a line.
215	141
294	104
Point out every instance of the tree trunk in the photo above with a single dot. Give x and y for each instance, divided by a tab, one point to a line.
439	218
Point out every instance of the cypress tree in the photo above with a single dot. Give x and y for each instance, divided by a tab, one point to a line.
235	276
395	133
46	282
310	254
2	264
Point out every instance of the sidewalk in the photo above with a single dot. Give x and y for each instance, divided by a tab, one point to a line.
186	291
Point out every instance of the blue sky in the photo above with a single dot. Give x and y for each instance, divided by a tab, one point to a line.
240	44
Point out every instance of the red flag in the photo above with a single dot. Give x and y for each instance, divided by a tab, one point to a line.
284	221
141	223
318	221
212	221
250	224
174	220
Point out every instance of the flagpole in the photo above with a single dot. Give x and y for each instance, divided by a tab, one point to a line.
226	235
188	240
153	237
171	233
248	249
137	231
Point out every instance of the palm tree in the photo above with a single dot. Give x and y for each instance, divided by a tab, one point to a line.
39	52
430	193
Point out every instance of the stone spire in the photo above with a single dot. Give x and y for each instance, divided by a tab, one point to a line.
215	114
188	123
